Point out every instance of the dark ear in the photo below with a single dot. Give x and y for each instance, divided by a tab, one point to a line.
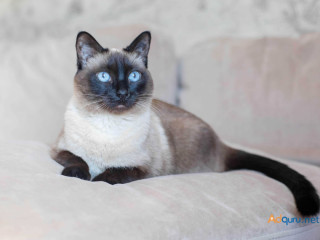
86	47
141	46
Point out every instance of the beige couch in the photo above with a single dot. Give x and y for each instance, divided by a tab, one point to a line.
260	93
238	86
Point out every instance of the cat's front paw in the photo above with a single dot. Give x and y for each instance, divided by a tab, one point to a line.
121	175
109	177
76	171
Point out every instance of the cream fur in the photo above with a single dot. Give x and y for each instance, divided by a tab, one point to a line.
107	140
101	58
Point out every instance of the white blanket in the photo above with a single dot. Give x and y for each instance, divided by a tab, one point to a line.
36	202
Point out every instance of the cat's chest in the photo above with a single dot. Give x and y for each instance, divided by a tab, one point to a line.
106	141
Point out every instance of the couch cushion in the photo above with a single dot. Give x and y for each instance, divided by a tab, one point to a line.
36	202
260	93
37	76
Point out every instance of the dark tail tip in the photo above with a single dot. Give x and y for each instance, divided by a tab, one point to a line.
308	203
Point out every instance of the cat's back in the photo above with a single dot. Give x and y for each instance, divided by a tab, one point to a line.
174	117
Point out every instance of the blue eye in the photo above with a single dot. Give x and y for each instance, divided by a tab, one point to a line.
104	76
134	76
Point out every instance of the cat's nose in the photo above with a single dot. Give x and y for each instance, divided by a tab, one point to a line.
122	93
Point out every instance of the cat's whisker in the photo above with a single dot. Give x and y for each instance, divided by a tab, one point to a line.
102	105
156	110
146	95
91	94
92	103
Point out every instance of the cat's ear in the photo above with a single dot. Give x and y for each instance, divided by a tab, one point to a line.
141	46
86	47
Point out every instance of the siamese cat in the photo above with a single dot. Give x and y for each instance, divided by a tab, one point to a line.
116	132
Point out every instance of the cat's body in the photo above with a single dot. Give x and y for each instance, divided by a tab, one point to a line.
116	132
159	139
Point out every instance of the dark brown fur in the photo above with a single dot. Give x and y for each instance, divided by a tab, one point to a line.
74	165
121	175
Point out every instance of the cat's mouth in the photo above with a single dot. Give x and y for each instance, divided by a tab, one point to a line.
120	106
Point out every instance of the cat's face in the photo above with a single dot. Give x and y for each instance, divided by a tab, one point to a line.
113	80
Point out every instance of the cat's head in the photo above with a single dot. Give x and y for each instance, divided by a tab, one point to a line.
113	80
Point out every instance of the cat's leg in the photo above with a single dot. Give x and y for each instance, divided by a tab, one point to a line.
74	166
121	175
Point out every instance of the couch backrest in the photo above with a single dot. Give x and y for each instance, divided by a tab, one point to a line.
260	93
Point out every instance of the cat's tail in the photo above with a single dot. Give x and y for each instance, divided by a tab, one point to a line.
305	195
